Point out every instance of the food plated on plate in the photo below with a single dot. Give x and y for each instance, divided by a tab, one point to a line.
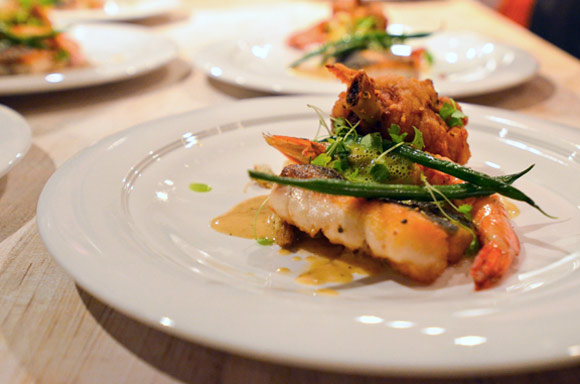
30	44
388	182
355	35
76	4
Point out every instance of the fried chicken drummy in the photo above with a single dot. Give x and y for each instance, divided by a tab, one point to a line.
377	103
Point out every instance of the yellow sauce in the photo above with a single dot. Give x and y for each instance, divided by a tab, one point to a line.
511	209
326	292
239	221
328	263
285	252
331	263
316	72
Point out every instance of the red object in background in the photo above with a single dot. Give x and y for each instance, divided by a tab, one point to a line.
519	11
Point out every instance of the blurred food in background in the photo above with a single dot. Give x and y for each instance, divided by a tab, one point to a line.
356	35
29	43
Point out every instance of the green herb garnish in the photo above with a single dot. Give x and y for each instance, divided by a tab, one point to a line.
322	160
451	115
395	133
372	142
418	139
465	209
428	57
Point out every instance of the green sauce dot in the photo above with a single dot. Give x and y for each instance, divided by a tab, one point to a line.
199	187
265	241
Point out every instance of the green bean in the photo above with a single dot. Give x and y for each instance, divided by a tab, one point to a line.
464	173
367	190
319	51
350	43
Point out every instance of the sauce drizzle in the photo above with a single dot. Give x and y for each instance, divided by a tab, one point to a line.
239	221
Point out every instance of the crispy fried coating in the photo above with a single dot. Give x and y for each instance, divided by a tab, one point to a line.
392	99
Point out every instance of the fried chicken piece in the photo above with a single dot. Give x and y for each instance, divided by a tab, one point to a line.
391	99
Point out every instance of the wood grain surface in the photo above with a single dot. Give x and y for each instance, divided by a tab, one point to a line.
51	331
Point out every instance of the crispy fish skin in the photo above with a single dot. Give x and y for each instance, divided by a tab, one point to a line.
413	243
392	99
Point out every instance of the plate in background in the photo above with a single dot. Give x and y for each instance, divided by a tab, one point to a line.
119	10
136	51
15	138
465	64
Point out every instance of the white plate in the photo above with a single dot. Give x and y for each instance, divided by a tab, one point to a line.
465	64
15	139
135	51
121	10
120	218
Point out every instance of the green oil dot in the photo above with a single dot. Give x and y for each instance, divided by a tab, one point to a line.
199	187
265	241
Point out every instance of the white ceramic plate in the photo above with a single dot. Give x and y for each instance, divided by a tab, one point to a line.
120	10
114	52
465	64
15	138
120	218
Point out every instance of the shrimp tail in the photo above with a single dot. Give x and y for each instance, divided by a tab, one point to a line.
500	242
296	149
489	266
342	72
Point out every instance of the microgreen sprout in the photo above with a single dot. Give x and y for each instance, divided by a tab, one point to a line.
321	120
474	244
261	240
391	149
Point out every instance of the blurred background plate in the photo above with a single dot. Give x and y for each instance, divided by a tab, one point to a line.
119	10
465	64
15	138
135	51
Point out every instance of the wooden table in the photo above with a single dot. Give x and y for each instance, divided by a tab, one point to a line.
51	331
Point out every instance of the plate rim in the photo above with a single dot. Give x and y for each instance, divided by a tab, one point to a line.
46	225
22	129
127	13
74	78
